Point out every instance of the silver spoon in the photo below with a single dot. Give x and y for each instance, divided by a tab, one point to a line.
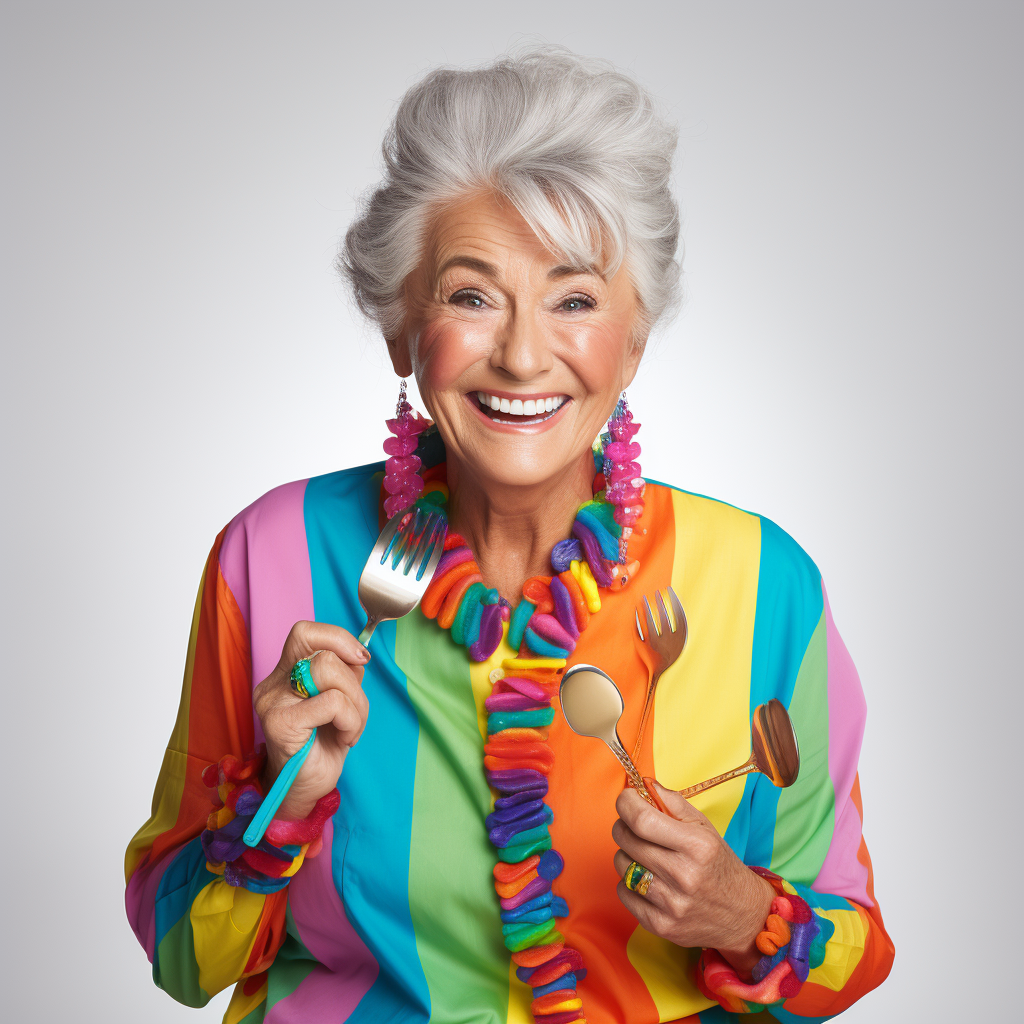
592	705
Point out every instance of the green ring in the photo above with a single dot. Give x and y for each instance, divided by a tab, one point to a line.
633	875
302	679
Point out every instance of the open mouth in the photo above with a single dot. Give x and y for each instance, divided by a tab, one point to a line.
519	411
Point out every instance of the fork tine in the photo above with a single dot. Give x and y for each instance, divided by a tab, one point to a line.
436	550
401	547
425	547
387	538
652	628
419	535
663	618
417	540
677	610
639	628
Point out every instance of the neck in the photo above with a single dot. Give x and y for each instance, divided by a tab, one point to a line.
511	529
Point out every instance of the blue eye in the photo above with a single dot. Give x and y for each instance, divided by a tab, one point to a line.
472	299
575	303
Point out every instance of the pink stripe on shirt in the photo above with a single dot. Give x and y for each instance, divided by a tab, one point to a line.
347	969
841	872
267	542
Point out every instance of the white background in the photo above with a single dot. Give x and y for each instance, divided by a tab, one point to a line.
176	343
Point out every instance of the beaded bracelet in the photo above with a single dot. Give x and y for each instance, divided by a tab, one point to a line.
786	941
269	866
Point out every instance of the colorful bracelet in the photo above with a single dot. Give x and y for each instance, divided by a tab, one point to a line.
269	866
786	942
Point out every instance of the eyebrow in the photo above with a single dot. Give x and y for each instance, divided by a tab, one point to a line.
483	267
470	263
566	271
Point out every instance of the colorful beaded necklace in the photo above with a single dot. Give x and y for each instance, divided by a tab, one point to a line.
543	628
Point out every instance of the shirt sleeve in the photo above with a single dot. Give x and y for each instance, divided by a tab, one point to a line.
200	933
817	843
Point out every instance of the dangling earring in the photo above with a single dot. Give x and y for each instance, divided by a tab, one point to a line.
401	471
624	484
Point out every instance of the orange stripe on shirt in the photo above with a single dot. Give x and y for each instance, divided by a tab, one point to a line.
220	694
586	780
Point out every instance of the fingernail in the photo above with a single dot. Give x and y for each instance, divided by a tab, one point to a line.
651	785
364	654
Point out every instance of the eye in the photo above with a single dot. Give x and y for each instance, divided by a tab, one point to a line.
468	298
574	303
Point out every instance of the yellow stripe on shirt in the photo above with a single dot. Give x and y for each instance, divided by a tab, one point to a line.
715	574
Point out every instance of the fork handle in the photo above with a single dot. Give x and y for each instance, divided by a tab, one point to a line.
278	791
648	704
372	623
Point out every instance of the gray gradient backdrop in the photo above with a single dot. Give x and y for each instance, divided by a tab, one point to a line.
175	343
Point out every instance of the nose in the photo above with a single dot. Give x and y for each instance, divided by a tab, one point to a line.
522	349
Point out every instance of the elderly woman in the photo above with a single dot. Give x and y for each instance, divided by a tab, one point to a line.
450	850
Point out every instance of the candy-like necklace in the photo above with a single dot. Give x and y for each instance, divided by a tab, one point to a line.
544	628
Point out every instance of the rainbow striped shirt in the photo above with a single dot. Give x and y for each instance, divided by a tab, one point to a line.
397	919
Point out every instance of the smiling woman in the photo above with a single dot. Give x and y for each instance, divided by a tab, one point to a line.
450	851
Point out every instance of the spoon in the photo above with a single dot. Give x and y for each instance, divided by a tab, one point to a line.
592	705
775	751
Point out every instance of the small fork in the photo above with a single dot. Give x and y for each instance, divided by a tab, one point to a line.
665	639
394	580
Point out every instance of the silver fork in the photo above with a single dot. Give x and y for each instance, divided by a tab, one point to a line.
388	587
394	580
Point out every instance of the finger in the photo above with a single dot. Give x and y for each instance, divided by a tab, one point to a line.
329	672
648	914
657	892
333	708
679	807
646	821
306	638
661	861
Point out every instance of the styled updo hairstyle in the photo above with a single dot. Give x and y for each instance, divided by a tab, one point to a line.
577	146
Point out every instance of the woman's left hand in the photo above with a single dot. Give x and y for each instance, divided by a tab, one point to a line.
702	893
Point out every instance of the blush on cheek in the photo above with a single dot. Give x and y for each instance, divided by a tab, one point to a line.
445	350
599	355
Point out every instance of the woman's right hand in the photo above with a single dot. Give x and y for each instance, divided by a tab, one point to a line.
338	712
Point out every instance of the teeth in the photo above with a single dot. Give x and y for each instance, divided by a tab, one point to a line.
517	407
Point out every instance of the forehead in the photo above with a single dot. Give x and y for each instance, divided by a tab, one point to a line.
485	226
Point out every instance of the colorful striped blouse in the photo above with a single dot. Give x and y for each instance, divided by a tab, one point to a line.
397	918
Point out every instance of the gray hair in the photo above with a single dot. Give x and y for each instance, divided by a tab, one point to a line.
578	148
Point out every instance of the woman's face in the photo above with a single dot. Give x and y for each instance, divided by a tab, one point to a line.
494	319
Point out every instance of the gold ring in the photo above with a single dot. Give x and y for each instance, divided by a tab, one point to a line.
645	882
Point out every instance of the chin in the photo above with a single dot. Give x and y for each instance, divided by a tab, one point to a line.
514	467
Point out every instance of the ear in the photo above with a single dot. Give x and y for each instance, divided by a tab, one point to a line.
398	349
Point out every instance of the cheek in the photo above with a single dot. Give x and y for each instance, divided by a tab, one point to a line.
445	350
598	355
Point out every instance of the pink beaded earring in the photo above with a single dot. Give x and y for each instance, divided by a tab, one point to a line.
401	471
624	484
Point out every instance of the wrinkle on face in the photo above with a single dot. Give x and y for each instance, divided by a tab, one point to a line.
491	309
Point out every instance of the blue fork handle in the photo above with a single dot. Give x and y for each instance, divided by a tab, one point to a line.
278	791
